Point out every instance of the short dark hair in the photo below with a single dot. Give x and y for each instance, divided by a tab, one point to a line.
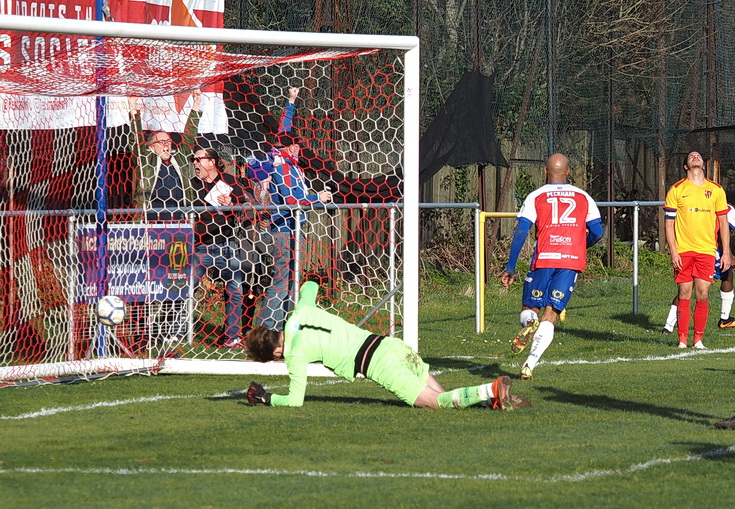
686	160
261	342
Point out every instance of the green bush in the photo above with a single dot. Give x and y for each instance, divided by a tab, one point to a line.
597	259
648	261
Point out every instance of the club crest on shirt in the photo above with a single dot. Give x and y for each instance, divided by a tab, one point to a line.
707	194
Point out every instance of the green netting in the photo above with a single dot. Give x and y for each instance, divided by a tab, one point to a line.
622	80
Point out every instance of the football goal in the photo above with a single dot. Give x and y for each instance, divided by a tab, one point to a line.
105	129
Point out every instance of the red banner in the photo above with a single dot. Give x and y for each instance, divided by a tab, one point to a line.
195	13
23	112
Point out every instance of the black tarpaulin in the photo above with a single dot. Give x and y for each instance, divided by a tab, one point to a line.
463	131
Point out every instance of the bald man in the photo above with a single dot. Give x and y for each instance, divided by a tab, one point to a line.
567	223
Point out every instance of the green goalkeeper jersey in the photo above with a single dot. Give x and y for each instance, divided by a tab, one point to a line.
314	335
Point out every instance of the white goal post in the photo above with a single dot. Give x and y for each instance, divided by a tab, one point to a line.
68	137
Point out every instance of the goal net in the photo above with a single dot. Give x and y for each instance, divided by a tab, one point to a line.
154	163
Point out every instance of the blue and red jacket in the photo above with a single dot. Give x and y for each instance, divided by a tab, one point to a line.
288	187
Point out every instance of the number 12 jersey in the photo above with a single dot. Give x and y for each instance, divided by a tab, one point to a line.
561	213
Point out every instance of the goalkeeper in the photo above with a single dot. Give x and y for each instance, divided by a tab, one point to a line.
314	335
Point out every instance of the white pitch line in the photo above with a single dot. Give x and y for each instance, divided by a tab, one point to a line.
715	453
682	354
101	404
44	412
569	478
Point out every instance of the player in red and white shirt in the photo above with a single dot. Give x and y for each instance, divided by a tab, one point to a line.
567	223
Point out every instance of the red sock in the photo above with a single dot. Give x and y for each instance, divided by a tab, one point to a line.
701	309
683	314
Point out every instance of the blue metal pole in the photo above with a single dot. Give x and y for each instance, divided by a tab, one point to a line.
101	189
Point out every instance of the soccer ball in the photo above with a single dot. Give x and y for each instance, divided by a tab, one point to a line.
111	310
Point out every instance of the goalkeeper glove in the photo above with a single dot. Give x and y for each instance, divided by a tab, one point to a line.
257	394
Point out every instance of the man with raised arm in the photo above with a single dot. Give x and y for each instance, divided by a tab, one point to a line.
166	171
314	335
289	187
695	209
567	223
163	188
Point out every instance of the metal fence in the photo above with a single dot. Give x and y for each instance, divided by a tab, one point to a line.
480	218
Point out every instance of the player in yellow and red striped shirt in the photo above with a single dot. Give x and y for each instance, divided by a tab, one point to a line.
694	206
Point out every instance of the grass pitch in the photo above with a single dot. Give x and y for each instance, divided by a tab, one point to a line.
620	418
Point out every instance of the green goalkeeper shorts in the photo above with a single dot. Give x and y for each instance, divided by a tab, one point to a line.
398	368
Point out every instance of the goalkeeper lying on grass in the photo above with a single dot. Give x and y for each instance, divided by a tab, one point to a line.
314	335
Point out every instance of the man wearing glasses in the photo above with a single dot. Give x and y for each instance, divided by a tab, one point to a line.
215	248
163	187
166	171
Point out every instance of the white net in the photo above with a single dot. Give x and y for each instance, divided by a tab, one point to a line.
165	173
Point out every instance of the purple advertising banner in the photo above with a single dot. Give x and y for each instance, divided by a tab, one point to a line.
146	262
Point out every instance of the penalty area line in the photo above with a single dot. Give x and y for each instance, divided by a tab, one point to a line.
567	478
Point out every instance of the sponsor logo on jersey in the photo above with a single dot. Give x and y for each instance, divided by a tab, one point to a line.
697	209
537	293
560	239
557	294
549	256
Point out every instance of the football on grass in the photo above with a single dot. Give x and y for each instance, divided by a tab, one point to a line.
111	310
